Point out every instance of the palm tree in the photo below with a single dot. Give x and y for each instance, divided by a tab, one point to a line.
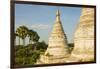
15	35
30	34
35	39
23	33
18	32
33	36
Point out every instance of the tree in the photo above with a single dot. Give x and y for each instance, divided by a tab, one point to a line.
42	46
18	32
25	55
31	34
15	35
23	33
35	38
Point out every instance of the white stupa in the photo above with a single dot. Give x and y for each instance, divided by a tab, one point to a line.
84	36
57	51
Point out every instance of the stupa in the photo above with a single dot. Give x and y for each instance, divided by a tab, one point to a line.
57	51
84	36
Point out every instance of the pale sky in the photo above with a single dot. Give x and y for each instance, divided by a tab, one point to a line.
41	18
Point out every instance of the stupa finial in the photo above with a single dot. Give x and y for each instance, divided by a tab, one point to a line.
58	13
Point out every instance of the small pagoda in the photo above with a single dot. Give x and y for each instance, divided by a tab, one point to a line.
57	51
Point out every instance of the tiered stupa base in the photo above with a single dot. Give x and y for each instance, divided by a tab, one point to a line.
84	56
52	59
72	58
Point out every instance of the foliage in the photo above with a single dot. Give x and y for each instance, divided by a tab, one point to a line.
26	55
22	32
41	46
33	36
71	47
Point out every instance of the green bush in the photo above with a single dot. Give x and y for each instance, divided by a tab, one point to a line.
71	47
27	55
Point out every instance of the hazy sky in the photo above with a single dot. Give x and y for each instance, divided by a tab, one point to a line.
41	18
